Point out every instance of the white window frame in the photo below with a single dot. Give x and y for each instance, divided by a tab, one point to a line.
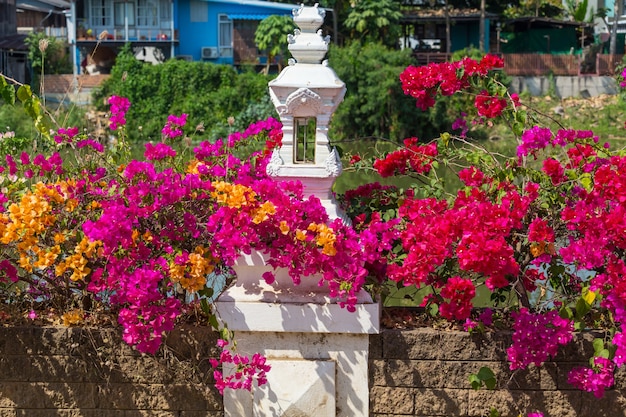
121	9
148	13
225	35
100	13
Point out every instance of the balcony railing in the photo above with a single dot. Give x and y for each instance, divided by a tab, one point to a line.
542	64
131	34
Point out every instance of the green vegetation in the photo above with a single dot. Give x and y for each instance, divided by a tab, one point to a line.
375	21
270	37
47	55
210	94
375	105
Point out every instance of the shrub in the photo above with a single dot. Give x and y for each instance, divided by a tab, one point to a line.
207	92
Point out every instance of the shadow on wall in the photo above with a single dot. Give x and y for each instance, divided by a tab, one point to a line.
55	371
426	372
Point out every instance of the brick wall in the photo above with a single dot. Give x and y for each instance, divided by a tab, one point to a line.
425	372
68	372
71	372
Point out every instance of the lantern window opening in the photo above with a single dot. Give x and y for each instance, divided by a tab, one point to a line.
305	131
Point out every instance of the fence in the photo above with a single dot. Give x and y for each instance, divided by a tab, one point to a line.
542	64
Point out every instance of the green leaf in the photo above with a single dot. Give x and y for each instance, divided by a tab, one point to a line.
585	181
206	308
24	93
213	322
206	292
604	353
491	383
7	91
494	413
518	128
475	381
598	345
485	373
484	376
566	312
582	308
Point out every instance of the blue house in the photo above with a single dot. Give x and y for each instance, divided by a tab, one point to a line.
220	31
223	30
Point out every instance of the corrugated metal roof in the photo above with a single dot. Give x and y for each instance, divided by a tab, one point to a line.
13	42
46	4
259	3
244	16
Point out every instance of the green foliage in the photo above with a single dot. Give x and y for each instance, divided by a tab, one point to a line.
484	377
375	104
208	93
48	54
375	21
538	8
271	36
31	105
577	9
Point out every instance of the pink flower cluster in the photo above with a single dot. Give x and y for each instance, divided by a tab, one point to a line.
174	126
458	293
158	152
119	107
596	379
270	127
447	78
66	135
488	105
243	372
537	337
52	164
412	158
474	232
538	138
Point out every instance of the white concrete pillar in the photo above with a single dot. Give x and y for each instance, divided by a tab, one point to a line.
318	351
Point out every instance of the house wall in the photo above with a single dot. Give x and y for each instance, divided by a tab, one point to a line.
90	372
195	35
7	17
465	35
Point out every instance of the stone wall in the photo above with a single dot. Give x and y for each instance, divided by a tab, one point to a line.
71	372
562	86
425	372
68	372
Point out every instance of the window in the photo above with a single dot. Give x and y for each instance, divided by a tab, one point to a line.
304	138
199	11
122	11
166	9
225	36
147	13
101	13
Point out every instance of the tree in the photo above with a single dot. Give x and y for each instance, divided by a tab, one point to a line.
375	20
482	25
618	12
537	8
271	36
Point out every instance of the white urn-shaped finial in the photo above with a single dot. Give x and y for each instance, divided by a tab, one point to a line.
309	19
307	44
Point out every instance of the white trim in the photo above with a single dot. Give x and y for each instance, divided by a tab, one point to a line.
258	3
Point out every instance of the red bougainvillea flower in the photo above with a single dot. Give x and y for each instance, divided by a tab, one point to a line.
489	106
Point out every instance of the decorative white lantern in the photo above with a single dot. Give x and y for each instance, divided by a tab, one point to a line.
318	351
306	94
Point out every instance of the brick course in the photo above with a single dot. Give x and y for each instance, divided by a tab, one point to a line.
425	372
82	372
